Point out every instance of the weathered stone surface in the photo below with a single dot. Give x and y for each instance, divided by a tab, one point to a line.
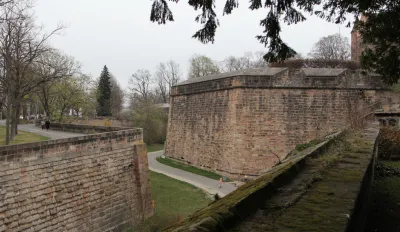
239	125
69	184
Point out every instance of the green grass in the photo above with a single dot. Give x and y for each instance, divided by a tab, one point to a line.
174	200
384	213
391	164
22	137
184	167
155	147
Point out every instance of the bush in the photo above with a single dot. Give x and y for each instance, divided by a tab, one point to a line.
153	120
389	144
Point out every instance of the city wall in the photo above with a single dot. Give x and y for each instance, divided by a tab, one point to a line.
245	122
96	182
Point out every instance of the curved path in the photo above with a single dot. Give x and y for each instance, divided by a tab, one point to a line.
207	184
48	133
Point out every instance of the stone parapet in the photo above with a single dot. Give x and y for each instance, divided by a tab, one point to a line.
96	182
306	78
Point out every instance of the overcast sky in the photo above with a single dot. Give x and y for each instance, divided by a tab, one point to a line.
119	34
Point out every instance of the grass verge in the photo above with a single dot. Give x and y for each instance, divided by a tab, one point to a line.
174	200
155	147
188	168
22	137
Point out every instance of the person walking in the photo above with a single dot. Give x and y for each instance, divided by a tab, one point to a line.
42	124
47	124
220	182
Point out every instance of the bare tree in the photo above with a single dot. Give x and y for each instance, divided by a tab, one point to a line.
332	47
140	85
249	60
233	63
52	66
201	65
168	74
21	44
117	97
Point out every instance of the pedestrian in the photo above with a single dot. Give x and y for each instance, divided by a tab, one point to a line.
47	124
220	182
246	178
42	123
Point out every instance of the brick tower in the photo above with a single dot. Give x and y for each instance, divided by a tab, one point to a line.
356	41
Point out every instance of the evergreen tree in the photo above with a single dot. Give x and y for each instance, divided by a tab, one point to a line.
104	93
381	33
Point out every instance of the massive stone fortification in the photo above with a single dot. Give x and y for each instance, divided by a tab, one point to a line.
240	122
97	182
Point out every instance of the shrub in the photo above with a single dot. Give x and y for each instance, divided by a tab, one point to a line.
389	144
153	120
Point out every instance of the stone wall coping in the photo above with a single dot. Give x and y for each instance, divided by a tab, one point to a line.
332	79
245	72
235	200
323	72
81	139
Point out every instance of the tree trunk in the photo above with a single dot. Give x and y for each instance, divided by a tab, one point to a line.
17	115
12	118
8	115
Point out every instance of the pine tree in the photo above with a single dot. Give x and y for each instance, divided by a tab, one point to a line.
104	93
380	32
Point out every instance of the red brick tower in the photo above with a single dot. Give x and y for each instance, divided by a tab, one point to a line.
356	41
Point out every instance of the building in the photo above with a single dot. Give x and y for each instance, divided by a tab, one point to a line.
245	122
356	41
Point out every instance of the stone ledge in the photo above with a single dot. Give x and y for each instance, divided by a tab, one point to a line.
102	133
245	200
287	79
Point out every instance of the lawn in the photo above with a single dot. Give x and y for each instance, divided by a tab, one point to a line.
155	147
184	167
22	137
174	200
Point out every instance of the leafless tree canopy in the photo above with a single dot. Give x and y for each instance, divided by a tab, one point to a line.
249	60
117	97
140	85
167	75
202	66
332	47
26	60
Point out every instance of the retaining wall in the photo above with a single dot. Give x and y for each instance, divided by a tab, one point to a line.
97	182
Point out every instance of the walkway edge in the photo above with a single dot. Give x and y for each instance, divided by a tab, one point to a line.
203	187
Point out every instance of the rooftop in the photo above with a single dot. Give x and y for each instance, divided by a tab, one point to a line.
244	72
323	72
268	72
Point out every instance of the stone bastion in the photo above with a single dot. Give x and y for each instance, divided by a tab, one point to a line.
96	182
244	122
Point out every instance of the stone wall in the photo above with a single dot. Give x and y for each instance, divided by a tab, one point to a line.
240	124
97	182
84	129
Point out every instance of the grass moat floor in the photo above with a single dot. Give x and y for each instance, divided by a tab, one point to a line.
175	164
174	200
384	209
155	147
22	137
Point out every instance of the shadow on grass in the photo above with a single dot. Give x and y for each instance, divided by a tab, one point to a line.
174	200
175	164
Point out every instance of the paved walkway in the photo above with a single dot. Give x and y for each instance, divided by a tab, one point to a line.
48	133
207	184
